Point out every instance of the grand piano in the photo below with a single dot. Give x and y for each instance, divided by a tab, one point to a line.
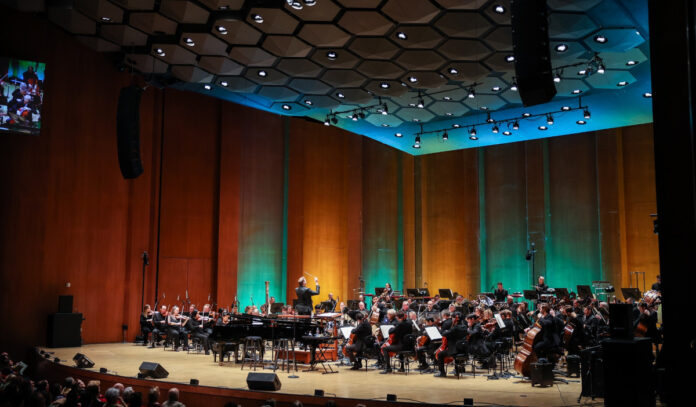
226	339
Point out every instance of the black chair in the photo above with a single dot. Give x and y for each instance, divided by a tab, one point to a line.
408	351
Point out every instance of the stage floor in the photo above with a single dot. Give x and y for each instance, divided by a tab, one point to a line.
124	360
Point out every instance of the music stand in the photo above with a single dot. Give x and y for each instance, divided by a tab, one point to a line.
531	295
276	307
412	292
379	290
398	303
584	291
561	293
353	304
631	293
424	292
327	306
445	293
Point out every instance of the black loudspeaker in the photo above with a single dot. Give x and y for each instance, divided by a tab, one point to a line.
263	381
64	330
128	132
65	304
621	321
82	361
153	369
628	376
530	45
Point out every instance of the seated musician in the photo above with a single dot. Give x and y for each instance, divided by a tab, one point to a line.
475	343
500	293
332	300
445	321
388	289
550	339
510	302
455	334
304	296
405	307
396	337
657	286
361	310
361	332
160	322
590	325
198	331
428	347
188	313
146	324
647	321
207	319
576	338
176	330
498	333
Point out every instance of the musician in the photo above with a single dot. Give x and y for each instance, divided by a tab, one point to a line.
175	324
452	337
304	296
428	347
207	319
396	338
648	321
388	289
590	325
353	314
576	337
146	324
510	302
500	293
332	301
657	286
550	339
541	287
360	334
198	331
475	342
446	321
159	320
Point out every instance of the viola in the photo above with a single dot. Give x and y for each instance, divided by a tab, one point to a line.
526	356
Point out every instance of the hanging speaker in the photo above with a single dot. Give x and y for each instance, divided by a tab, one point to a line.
128	132
530	45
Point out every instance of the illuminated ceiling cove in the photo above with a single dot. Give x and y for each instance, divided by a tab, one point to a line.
344	61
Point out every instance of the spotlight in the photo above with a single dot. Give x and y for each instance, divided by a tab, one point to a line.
327	121
515	125
526	114
224	83
398	135
308	102
421	103
207	87
577	91
499	9
334	120
332	55
549	120
565	108
257	18
412	79
622	83
384	85
401	35
514	86
543	128
447	98
582	72
445	136
340	95
106	19
489	119
310	3
586	114
385	125
295	4
287	107
412	105
416	144
647	95
262	73
473	138
222	30
355	117
385	109
631	63
557	78
506	133
600	69
581	122
472	131
189	41
495	88
453	71
456	126
448	114
561	48
495	129
510	58
472	94
160	52
600	39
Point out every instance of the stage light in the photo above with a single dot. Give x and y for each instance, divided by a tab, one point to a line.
447	98
401	35
506	133
561	48
489	119
361	114
412	79
222	30
295	4
106	19
472	94
262	73
332	55
565	108
327	121
472	131
515	125
468	401
499	9
549	120
631	63
495	88
416	144
334	120
224	83
581	122
194	382
319	393
310	3
385	125
391	397
384	85
102	370
510	58
355	117
207	87
340	95
577	91
557	78
473	138
647	95
526	114
456	126
514	86
622	84
582	72
421	103
258	19
543	128
601	69
495	129
189	41
287	107
445	136
586	114
448	114
398	135
453	71
601	39
385	109
308	102
160	52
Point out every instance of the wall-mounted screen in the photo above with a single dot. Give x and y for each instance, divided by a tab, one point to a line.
21	95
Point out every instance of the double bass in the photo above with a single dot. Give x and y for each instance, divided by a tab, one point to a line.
526	356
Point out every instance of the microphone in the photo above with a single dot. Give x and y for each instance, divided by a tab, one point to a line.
146	258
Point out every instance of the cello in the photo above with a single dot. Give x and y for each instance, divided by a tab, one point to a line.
443	347
526	356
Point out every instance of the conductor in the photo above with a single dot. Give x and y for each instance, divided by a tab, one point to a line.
304	296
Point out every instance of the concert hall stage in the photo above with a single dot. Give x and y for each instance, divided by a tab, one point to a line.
229	381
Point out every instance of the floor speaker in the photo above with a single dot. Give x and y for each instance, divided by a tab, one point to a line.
153	369
64	330
530	45
263	381
621	321
82	361
128	132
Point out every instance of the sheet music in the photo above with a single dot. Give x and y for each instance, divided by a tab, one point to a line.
499	319
385	330
433	333
345	331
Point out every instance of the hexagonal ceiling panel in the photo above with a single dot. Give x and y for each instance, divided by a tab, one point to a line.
343	54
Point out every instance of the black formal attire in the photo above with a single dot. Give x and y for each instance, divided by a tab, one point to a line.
657	287
146	327
160	323
199	332
177	332
402	329
446	324
500	295
361	332
454	337
550	340
304	299
576	339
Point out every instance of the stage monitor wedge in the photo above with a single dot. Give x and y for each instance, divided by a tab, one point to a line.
82	361
153	369
530	45
263	381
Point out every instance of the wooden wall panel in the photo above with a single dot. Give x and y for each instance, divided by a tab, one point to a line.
450	221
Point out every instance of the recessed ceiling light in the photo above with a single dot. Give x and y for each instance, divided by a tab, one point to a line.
581	122
453	71
448	114
507	133
473	138
565	108
223	8
561	48
385	125
332	55
310	3
416	120
257	18
600	39
412	104
262	73
398	134
207	87
224	83
308	102
401	35
513	87
189	41
631	63
287	107
526	114
647	95
510	58
295	4
222	30
384	85
106	19
412	79
577	91
499	9
543	128
446	98
340	95
456	126
495	88
582	72
622	83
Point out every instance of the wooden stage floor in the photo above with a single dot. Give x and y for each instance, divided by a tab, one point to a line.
124	360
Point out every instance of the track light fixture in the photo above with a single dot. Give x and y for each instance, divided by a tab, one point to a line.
445	136
495	129
549	119
472	132
586	114
489	119
417	142
515	125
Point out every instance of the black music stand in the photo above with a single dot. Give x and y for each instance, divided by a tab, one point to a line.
561	293
277	307
352	305
327	306
445	293
379	290
531	295
412	292
424	292
584	291
631	292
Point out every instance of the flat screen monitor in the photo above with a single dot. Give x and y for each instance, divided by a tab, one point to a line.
21	95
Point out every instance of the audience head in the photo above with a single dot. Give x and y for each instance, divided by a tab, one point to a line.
111	395
173	394
153	395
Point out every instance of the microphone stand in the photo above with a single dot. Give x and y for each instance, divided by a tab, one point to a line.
146	261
